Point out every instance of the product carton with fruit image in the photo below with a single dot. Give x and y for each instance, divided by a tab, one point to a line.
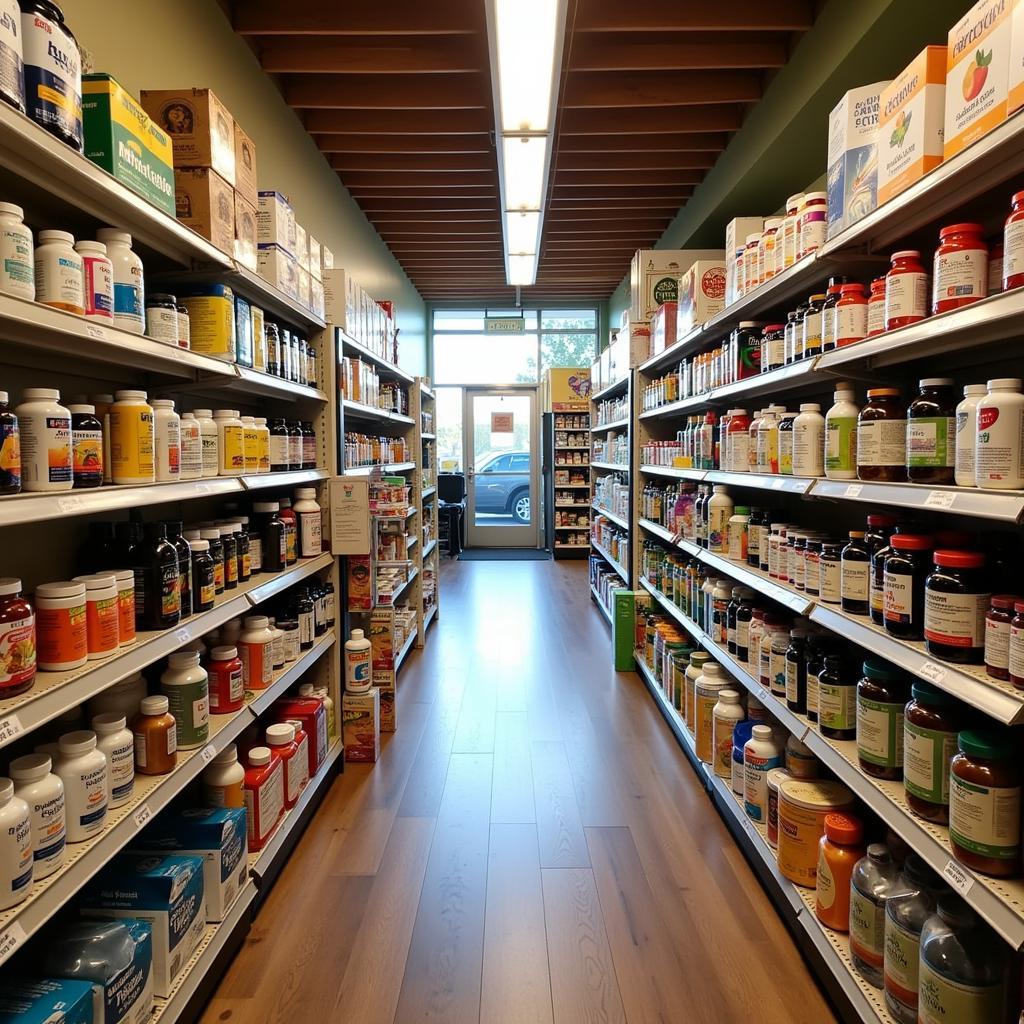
1015	91
910	116
701	295
977	74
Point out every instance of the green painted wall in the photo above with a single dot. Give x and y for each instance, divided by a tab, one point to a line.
168	44
782	145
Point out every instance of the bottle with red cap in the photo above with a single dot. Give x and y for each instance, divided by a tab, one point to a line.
1013	244
849	318
957	596
960	268
876	307
903	578
906	290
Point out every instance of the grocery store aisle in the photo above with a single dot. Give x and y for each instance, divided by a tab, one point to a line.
532	847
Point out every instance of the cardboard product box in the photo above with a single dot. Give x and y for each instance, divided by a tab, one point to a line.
1015	85
302	246
316	298
315	256
388	711
360	717
360	582
596	383
246	244
245	167
244	343
701	295
606	363
211	314
217	835
568	388
46	1001
311	714
201	128
166	892
911	110
978	74
326	258
124	995
122	139
275	221
304	288
205	202
853	157
736	232
382	639
278	267
663	326
631	348
338	298
623	628
654	277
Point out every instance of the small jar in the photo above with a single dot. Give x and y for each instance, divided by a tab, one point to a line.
876	307
984	802
115	741
810	334
86	447
59	272
854	573
931	721
851	315
101	614
17	640
931	433
956	596
882	437
83	770
162	318
813	222
773	349
906	569
881	696
837	701
1013	244
224	780
227	689
156	737
906	290
254	648
997	636
17	273
185	684
960	272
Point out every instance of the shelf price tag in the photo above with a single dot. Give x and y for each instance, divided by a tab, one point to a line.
182	635
69	504
777	485
142	816
11	939
940	499
958	878
931	671
208	754
853	491
93	331
9	728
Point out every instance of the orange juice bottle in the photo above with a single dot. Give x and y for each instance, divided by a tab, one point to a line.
839	849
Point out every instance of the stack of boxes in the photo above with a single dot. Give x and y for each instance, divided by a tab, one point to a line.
289	257
366	320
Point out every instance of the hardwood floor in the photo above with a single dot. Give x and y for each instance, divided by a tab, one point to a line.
532	848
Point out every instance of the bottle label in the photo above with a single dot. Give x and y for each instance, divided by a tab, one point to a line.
128	311
17	273
985	819
1013	249
825	882
792	681
786	452
132	443
880	733
882	443
854	580
755	783
851	321
902	952
280	450
997	644
926	757
232	442
102	625
1000	447
97	275
10	456
778	673
830	587
931	442
898	597
876	314
840	443
257	671
210	456
251	442
1015	661
956	620
812	692
960	275
17	651
943	999
836	705
311	537
122	772
906	295
867	928
169	597
87	455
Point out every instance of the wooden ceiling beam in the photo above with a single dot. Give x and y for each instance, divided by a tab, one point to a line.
641	161
672	16
334	142
657	89
665	52
373	55
650	142
554	224
392	238
455	204
357	17
665	194
412	164
382	92
638	177
481	179
617	120
399	122
580	208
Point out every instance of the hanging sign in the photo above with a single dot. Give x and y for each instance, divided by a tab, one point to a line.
504	325
350	515
501	422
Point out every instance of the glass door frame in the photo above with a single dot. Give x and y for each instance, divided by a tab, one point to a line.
526	535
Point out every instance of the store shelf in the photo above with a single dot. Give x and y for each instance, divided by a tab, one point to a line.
804	374
573	547
673	473
572	506
427	437
410	641
674	352
291	674
614	425
269	298
392	598
600	604
573	487
762	481
428	616
611	389
676	408
615	467
425	391
213	942
305	567
429	547
257	382
606	555
577	526
294	478
368	412
674	719
350	346
427	492
617	519
388	467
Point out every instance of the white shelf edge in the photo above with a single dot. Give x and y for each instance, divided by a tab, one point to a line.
291	478
614	425
290	674
304	567
389	467
607	615
606	555
674	473
410	640
359	349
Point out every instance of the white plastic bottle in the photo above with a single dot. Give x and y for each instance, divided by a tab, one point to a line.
83	770
58	272
841	435
809	441
224	780
999	455
132	439
250	446
725	715
129	291
15	847
167	436
191	447
263	444
35	783
768	440
755	426
210	442
117	744
967	435
761	753
122	698
97	281
17	266
308	512
357	663
230	442
720	510
45	428
255	648
309	690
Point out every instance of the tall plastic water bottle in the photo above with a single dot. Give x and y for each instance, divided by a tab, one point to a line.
357	663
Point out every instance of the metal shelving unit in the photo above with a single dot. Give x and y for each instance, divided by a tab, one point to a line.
553	451
623	389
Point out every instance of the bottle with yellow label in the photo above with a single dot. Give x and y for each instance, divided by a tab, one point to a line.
230	442
263	445
251	445
132	439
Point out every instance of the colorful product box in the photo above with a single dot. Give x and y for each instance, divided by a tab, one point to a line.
701	296
360	583
122	139
1015	91
205	202
911	111
278	267
736	232
245	167
275	221
623	628
201	128
46	1001
245	248
167	893
388	711
853	157
360	717
663	327
217	835
977	74
654	277
211	313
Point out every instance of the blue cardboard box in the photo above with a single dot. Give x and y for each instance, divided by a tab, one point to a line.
46	1001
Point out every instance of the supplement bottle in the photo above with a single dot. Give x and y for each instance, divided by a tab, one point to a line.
157	582
132	439
1013	244
801	762
813	218
851	315
255	651
17	268
956	598
855	570
876	307
841	436
167	437
903	583
230	442
693	672
882	437
837	700
828	313
156	737
264	796
227	688
931	722
999	454
308	512
184	327
967	435
984	802
211	535
210	442
186	686
10	449
281	741
86	446
17	640
224	780
761	754
101	614
83	770
53	72
740	734
250	445
291	530
162	318
810	340
97	281
803	806
960	271
775	779
43	792
795	671
786	421
931	432
906	290
263	444
115	741
276	645
270	548
808	441
308	445
768	440
59	273
191	447
280	446
840	849
877	540
874	879
737	534
906	911
998	630
725	715
204	588
45	441
129	306
16	860
720	510
881	697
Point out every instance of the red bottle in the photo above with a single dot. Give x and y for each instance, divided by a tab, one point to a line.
960	267
227	689
264	795
906	290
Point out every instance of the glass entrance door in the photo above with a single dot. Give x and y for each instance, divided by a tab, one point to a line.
502	467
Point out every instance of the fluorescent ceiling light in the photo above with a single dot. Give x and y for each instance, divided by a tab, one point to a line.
527	35
521	232
525	162
522	270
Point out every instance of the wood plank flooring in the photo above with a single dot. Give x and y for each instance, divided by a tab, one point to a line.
532	848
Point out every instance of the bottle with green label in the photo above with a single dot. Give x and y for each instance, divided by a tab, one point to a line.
931	433
186	686
841	435
905	914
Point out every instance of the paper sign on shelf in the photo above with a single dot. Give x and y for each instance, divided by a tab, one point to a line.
350	515
502	422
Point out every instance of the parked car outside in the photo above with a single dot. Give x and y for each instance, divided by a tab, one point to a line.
502	485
